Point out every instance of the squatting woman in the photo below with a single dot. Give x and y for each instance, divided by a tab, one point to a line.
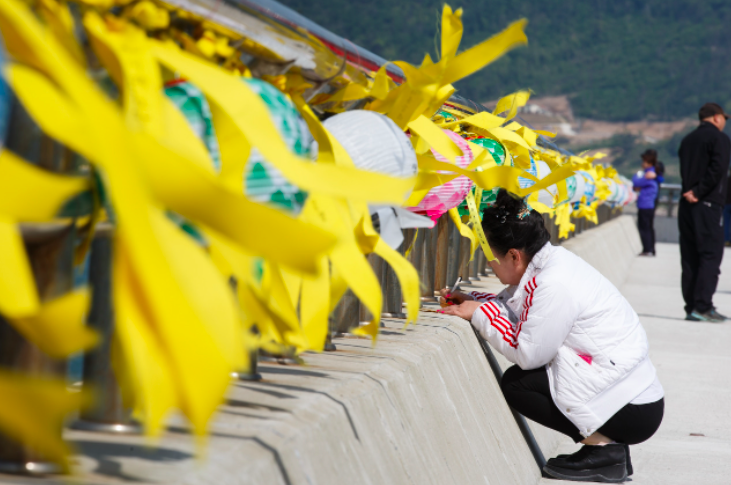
580	352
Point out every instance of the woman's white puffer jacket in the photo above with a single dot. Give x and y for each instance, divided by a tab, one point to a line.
568	317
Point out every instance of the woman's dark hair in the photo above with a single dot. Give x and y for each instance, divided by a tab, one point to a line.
650	156
509	224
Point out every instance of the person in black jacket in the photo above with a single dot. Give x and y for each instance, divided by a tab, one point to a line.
727	215
704	161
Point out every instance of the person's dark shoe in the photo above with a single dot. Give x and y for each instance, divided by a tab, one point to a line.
713	313
630	470
606	464
696	316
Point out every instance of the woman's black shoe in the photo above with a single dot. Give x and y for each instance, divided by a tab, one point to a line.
630	470
607	464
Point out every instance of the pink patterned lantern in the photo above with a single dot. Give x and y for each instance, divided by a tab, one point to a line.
444	197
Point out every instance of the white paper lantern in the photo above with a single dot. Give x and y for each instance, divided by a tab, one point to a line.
374	142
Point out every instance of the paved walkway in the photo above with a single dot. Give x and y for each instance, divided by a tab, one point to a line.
693	445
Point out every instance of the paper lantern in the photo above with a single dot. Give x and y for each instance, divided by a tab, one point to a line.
547	195
498	155
614	191
262	181
533	170
444	117
374	142
628	193
524	182
447	196
590	189
194	106
585	187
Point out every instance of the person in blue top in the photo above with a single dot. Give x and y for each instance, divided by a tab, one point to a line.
646	182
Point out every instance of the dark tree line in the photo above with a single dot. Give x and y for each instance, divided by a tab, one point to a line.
616	59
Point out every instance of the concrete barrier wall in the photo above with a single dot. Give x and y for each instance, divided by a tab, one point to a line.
421	407
610	247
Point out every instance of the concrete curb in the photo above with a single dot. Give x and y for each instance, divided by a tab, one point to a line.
421	407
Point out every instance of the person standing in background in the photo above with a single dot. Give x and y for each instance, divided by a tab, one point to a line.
704	161
645	181
727	215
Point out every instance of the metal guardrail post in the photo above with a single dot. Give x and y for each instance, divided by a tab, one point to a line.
453	255
108	415
475	265
346	314
50	248
483	264
416	256
378	265
428	265
671	202
669	199
550	225
442	253
464	258
393	303
252	374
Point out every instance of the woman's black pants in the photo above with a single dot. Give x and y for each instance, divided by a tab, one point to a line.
646	226
527	392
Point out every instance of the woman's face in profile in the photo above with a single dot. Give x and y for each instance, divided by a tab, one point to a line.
510	267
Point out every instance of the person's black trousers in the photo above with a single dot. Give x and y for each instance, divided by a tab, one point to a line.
528	392
701	252
646	226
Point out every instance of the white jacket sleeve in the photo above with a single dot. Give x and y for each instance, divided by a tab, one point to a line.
480	296
547	315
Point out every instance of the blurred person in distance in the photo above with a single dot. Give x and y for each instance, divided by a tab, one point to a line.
646	183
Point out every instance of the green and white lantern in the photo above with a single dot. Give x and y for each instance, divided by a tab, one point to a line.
263	182
192	103
498	155
194	106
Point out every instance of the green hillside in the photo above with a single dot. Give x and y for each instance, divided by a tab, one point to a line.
617	59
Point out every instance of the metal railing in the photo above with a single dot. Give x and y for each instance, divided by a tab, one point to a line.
669	196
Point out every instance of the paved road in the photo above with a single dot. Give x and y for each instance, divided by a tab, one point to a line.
693	445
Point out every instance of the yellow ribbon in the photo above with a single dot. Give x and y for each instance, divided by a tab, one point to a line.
463	230
477	224
34	410
427	87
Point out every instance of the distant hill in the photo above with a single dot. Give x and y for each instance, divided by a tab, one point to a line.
618	60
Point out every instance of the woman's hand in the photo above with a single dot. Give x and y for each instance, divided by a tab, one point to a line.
455	298
464	310
650	175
